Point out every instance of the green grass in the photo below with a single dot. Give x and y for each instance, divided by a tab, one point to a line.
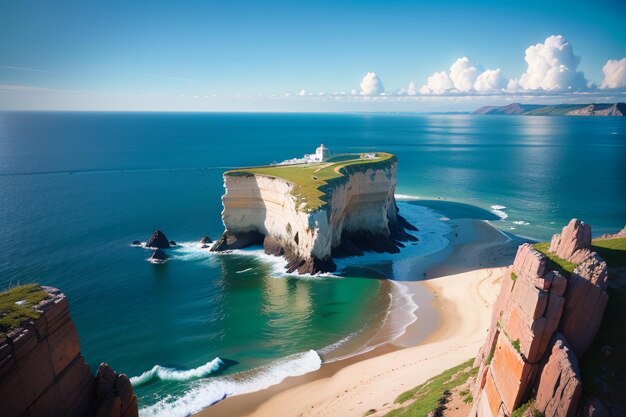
313	181
554	262
522	408
513	276
427	395
613	251
517	345
11	314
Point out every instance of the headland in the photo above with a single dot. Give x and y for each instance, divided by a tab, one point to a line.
329	206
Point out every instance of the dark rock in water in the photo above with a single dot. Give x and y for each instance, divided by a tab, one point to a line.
272	246
346	248
376	242
172	243
136	243
205	240
405	224
158	240
158	256
230	241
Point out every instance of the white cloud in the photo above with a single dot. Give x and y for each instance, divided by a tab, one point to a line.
438	83
411	90
463	74
371	85
552	67
614	74
490	80
302	92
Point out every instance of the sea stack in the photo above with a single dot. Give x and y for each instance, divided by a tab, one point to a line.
316	208
158	240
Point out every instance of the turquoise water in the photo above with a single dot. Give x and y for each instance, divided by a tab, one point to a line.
77	188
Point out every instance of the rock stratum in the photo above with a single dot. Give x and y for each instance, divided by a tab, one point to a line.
595	109
311	213
42	373
544	320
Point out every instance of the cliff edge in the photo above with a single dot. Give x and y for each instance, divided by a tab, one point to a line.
42	372
549	310
313	212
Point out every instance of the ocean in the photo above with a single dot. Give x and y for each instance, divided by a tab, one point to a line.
77	188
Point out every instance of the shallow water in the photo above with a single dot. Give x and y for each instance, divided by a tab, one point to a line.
77	188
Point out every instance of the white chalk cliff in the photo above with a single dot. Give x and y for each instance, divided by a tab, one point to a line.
359	214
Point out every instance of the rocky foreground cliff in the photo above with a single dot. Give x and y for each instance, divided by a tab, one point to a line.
357	212
548	312
42	373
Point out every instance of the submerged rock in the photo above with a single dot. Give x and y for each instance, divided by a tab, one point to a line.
230	241
136	243
158	240
172	243
205	240
158	256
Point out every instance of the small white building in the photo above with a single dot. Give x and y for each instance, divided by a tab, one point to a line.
321	154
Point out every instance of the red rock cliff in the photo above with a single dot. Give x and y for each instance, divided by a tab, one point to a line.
42	372
543	321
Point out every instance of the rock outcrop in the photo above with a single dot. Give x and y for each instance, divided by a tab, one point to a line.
42	372
359	214
158	257
544	320
158	241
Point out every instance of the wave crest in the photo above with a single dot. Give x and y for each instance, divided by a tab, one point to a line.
171	374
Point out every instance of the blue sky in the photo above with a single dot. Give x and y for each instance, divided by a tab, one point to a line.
204	55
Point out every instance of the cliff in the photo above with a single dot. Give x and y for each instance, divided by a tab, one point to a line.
42	372
312	212
595	109
549	310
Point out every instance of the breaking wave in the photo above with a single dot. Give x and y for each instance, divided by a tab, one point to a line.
208	391
170	374
499	211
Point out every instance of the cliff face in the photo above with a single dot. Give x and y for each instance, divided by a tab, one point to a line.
42	372
543	321
360	213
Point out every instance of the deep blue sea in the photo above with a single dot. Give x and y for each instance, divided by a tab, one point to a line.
77	188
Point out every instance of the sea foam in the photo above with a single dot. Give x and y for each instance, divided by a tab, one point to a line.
499	211
171	374
208	391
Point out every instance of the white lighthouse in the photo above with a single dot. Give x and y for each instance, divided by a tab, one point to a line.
320	155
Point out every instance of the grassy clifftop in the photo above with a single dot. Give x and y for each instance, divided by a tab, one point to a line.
313	181
16	305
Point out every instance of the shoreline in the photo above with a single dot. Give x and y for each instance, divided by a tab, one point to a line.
436	327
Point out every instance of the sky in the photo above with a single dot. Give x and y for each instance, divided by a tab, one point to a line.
309	55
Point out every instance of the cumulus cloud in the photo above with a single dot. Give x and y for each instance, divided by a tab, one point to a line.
552	67
489	80
411	90
464	77
371	85
438	83
463	74
614	74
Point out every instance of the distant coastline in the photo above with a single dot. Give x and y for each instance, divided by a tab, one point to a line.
594	109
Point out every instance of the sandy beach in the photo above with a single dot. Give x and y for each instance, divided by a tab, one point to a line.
373	380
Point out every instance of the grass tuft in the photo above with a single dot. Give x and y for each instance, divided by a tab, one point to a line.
613	251
555	263
429	395
12	314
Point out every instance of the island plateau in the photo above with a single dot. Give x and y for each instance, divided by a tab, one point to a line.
312	209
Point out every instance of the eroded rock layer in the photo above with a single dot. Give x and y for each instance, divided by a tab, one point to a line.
360	214
542	322
42	372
